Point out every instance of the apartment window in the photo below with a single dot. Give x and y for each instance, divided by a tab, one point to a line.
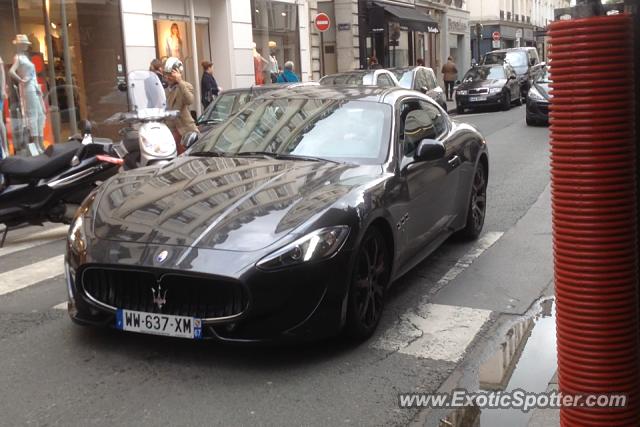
528	20
517	17
501	15
508	16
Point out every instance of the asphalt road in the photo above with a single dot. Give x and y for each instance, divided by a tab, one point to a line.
438	317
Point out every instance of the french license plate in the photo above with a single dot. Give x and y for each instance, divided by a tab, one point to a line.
159	324
477	98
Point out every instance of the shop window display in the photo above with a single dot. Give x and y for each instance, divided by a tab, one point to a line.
276	37
63	61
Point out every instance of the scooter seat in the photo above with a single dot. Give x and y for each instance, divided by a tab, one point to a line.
55	158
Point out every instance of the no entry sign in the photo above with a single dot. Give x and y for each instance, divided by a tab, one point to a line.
495	35
322	22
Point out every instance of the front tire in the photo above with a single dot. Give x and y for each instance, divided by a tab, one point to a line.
369	280
506	101
477	205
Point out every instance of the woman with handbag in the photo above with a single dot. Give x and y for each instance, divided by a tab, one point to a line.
208	87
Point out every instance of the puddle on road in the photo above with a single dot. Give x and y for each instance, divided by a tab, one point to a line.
526	359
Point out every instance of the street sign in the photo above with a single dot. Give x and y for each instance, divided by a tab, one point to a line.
322	22
495	44
519	33
495	35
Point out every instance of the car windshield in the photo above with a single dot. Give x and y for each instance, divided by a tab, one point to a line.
343	79
484	73
405	78
338	130
515	58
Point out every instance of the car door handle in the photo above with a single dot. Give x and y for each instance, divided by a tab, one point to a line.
455	161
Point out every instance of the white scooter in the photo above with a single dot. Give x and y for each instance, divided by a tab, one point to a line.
146	139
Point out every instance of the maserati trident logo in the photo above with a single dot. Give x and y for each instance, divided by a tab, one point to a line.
159	297
162	256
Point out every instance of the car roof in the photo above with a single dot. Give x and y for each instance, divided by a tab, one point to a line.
511	49
267	88
343	92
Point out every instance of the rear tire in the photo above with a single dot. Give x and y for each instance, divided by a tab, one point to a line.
477	209
369	280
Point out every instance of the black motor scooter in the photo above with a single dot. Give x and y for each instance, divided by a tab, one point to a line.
51	186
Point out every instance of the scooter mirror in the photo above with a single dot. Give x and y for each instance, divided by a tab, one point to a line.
189	139
86	127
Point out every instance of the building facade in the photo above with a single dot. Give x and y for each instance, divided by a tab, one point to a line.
515	22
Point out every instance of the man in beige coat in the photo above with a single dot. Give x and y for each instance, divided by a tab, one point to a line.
450	73
180	97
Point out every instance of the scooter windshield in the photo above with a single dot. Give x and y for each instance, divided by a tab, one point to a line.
146	94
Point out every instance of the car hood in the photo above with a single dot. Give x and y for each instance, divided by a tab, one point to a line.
241	204
482	84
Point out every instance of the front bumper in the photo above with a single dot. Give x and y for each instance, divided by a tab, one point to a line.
480	100
537	110
305	302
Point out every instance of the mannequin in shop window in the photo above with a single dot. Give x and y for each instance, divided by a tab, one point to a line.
4	144
32	107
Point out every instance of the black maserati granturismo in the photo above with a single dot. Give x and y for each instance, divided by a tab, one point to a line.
289	220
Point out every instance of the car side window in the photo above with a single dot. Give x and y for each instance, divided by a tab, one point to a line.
440	123
384	80
432	118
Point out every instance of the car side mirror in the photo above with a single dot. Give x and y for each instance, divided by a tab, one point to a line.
532	62
430	149
424	89
188	139
512	77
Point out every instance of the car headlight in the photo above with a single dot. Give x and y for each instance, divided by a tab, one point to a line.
76	238
317	245
495	90
535	95
462	92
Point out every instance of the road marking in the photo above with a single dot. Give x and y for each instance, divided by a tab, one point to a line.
436	331
482	244
29	275
35	239
61	306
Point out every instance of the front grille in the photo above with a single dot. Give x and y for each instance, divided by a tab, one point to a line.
543	107
478	91
185	295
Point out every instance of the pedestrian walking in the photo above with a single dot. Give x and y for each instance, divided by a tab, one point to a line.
180	98
208	86
450	73
287	75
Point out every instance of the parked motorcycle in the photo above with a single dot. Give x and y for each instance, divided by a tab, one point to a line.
146	139
51	186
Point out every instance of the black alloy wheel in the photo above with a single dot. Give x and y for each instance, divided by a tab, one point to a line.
477	205
506	101
368	283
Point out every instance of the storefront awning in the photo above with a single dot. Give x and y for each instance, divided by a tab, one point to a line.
410	17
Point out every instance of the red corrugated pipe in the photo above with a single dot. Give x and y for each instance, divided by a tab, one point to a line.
594	215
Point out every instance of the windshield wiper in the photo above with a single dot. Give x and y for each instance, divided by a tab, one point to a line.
209	154
306	158
265	154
